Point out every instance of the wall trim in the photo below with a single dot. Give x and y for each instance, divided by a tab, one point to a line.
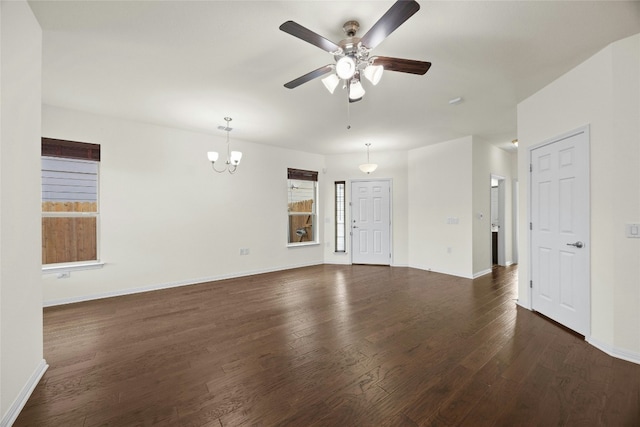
449	273
160	286
612	351
482	273
616	352
12	414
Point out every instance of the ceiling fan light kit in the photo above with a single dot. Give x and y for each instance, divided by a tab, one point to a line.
352	55
233	157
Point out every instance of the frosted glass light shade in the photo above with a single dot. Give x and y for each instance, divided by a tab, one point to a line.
212	155
345	67
356	91
235	157
368	167
373	73
331	82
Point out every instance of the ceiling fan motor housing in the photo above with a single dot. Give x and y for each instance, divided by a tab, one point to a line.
350	28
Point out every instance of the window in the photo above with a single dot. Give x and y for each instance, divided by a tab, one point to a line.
302	190
69	202
340	222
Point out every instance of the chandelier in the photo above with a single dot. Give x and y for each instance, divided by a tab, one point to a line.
233	157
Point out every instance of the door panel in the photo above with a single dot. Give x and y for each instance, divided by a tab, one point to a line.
560	230
370	225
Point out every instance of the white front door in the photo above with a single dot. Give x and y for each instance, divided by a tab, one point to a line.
560	230
371	222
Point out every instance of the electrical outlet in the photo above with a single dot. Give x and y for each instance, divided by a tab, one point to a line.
64	275
633	230
244	251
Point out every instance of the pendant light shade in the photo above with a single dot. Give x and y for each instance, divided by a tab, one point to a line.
235	157
368	167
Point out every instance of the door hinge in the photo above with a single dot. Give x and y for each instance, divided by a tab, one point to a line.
530	167
531	283
530	226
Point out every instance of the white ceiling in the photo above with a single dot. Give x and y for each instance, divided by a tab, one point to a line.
190	64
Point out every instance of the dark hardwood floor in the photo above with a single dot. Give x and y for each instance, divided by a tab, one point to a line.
326	346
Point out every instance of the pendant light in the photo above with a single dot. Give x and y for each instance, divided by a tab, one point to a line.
368	167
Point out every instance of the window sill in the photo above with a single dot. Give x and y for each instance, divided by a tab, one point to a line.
296	245
52	269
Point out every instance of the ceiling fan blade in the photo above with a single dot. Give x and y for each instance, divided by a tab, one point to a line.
402	65
392	19
309	36
309	76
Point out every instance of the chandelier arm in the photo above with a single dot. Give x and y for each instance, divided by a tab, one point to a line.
219	171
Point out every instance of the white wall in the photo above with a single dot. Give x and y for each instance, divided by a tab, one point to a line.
391	165
166	218
440	187
487	160
603	92
21	349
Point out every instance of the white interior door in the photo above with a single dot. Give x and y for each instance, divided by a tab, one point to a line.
371	222
560	230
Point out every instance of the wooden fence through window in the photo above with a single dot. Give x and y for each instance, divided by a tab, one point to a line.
301	227
69	238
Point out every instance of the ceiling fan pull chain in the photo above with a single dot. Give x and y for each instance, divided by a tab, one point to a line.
348	114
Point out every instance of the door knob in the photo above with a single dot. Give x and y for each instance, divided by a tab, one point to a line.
577	244
355	226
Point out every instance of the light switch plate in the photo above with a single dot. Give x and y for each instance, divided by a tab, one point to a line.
633	230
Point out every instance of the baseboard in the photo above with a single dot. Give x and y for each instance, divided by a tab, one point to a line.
448	273
157	287
612	351
12	414
618	353
482	273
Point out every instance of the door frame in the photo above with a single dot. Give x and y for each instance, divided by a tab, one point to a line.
390	181
586	130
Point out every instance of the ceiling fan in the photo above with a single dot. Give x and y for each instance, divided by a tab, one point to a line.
352	55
